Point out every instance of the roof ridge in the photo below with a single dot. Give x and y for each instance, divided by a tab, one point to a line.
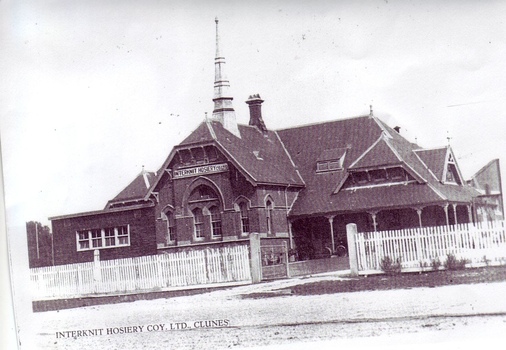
324	122
211	130
429	149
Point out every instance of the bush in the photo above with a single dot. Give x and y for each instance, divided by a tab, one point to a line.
452	263
436	264
389	266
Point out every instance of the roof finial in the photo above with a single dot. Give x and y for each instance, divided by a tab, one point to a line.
217	38
370	110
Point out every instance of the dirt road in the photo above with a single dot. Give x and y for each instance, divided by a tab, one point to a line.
225	319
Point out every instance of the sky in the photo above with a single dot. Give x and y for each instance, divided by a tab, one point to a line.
92	91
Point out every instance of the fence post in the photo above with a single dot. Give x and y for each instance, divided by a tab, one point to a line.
97	272
255	263
351	231
285	250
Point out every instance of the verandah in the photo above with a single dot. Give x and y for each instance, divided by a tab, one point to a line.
420	249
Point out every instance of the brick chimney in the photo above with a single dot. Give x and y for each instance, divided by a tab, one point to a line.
255	112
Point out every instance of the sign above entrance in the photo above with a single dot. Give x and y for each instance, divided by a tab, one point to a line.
201	170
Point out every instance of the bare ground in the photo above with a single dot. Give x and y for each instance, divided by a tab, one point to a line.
286	318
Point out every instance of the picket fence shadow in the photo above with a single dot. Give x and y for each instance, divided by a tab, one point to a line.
419	249
167	271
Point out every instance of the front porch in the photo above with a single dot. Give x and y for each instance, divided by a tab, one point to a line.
316	237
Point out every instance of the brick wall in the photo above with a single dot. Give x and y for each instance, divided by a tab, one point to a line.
142	235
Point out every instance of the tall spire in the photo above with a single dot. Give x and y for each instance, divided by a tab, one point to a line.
223	108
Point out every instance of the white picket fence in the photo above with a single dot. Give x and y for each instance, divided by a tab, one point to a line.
417	248
145	273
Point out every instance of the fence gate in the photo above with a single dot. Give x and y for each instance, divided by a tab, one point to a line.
274	258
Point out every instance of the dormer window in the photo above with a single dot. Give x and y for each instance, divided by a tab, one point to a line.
330	160
377	177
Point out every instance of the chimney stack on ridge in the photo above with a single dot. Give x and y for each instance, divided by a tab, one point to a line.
255	112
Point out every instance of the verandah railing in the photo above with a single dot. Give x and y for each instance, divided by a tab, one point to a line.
418	248
145	273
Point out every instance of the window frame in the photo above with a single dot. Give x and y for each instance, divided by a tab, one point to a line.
170	226
244	215
216	224
96	238
269	208
198	226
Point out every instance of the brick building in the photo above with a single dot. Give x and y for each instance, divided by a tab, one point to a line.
300	184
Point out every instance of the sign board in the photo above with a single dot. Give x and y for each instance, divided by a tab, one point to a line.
201	170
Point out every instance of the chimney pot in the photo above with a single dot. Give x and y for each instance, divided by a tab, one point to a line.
255	112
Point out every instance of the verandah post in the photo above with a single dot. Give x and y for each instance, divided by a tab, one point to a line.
351	231
255	263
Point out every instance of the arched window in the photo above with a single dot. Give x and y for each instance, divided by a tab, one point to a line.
269	207
198	223
243	208
171	226
215	222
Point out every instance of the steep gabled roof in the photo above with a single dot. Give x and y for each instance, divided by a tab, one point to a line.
370	144
380	154
434	159
136	190
261	155
201	134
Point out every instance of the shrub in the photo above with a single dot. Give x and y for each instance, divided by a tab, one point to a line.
436	264
452	263
389	266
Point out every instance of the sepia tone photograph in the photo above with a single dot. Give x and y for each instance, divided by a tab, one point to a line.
253	175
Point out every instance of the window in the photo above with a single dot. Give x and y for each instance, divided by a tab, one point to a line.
396	174
168	217
361	178
322	166
330	159
379	175
452	174
108	237
269	206
171	227
123	236
243	208
198	222
215	222
83	241
96	238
